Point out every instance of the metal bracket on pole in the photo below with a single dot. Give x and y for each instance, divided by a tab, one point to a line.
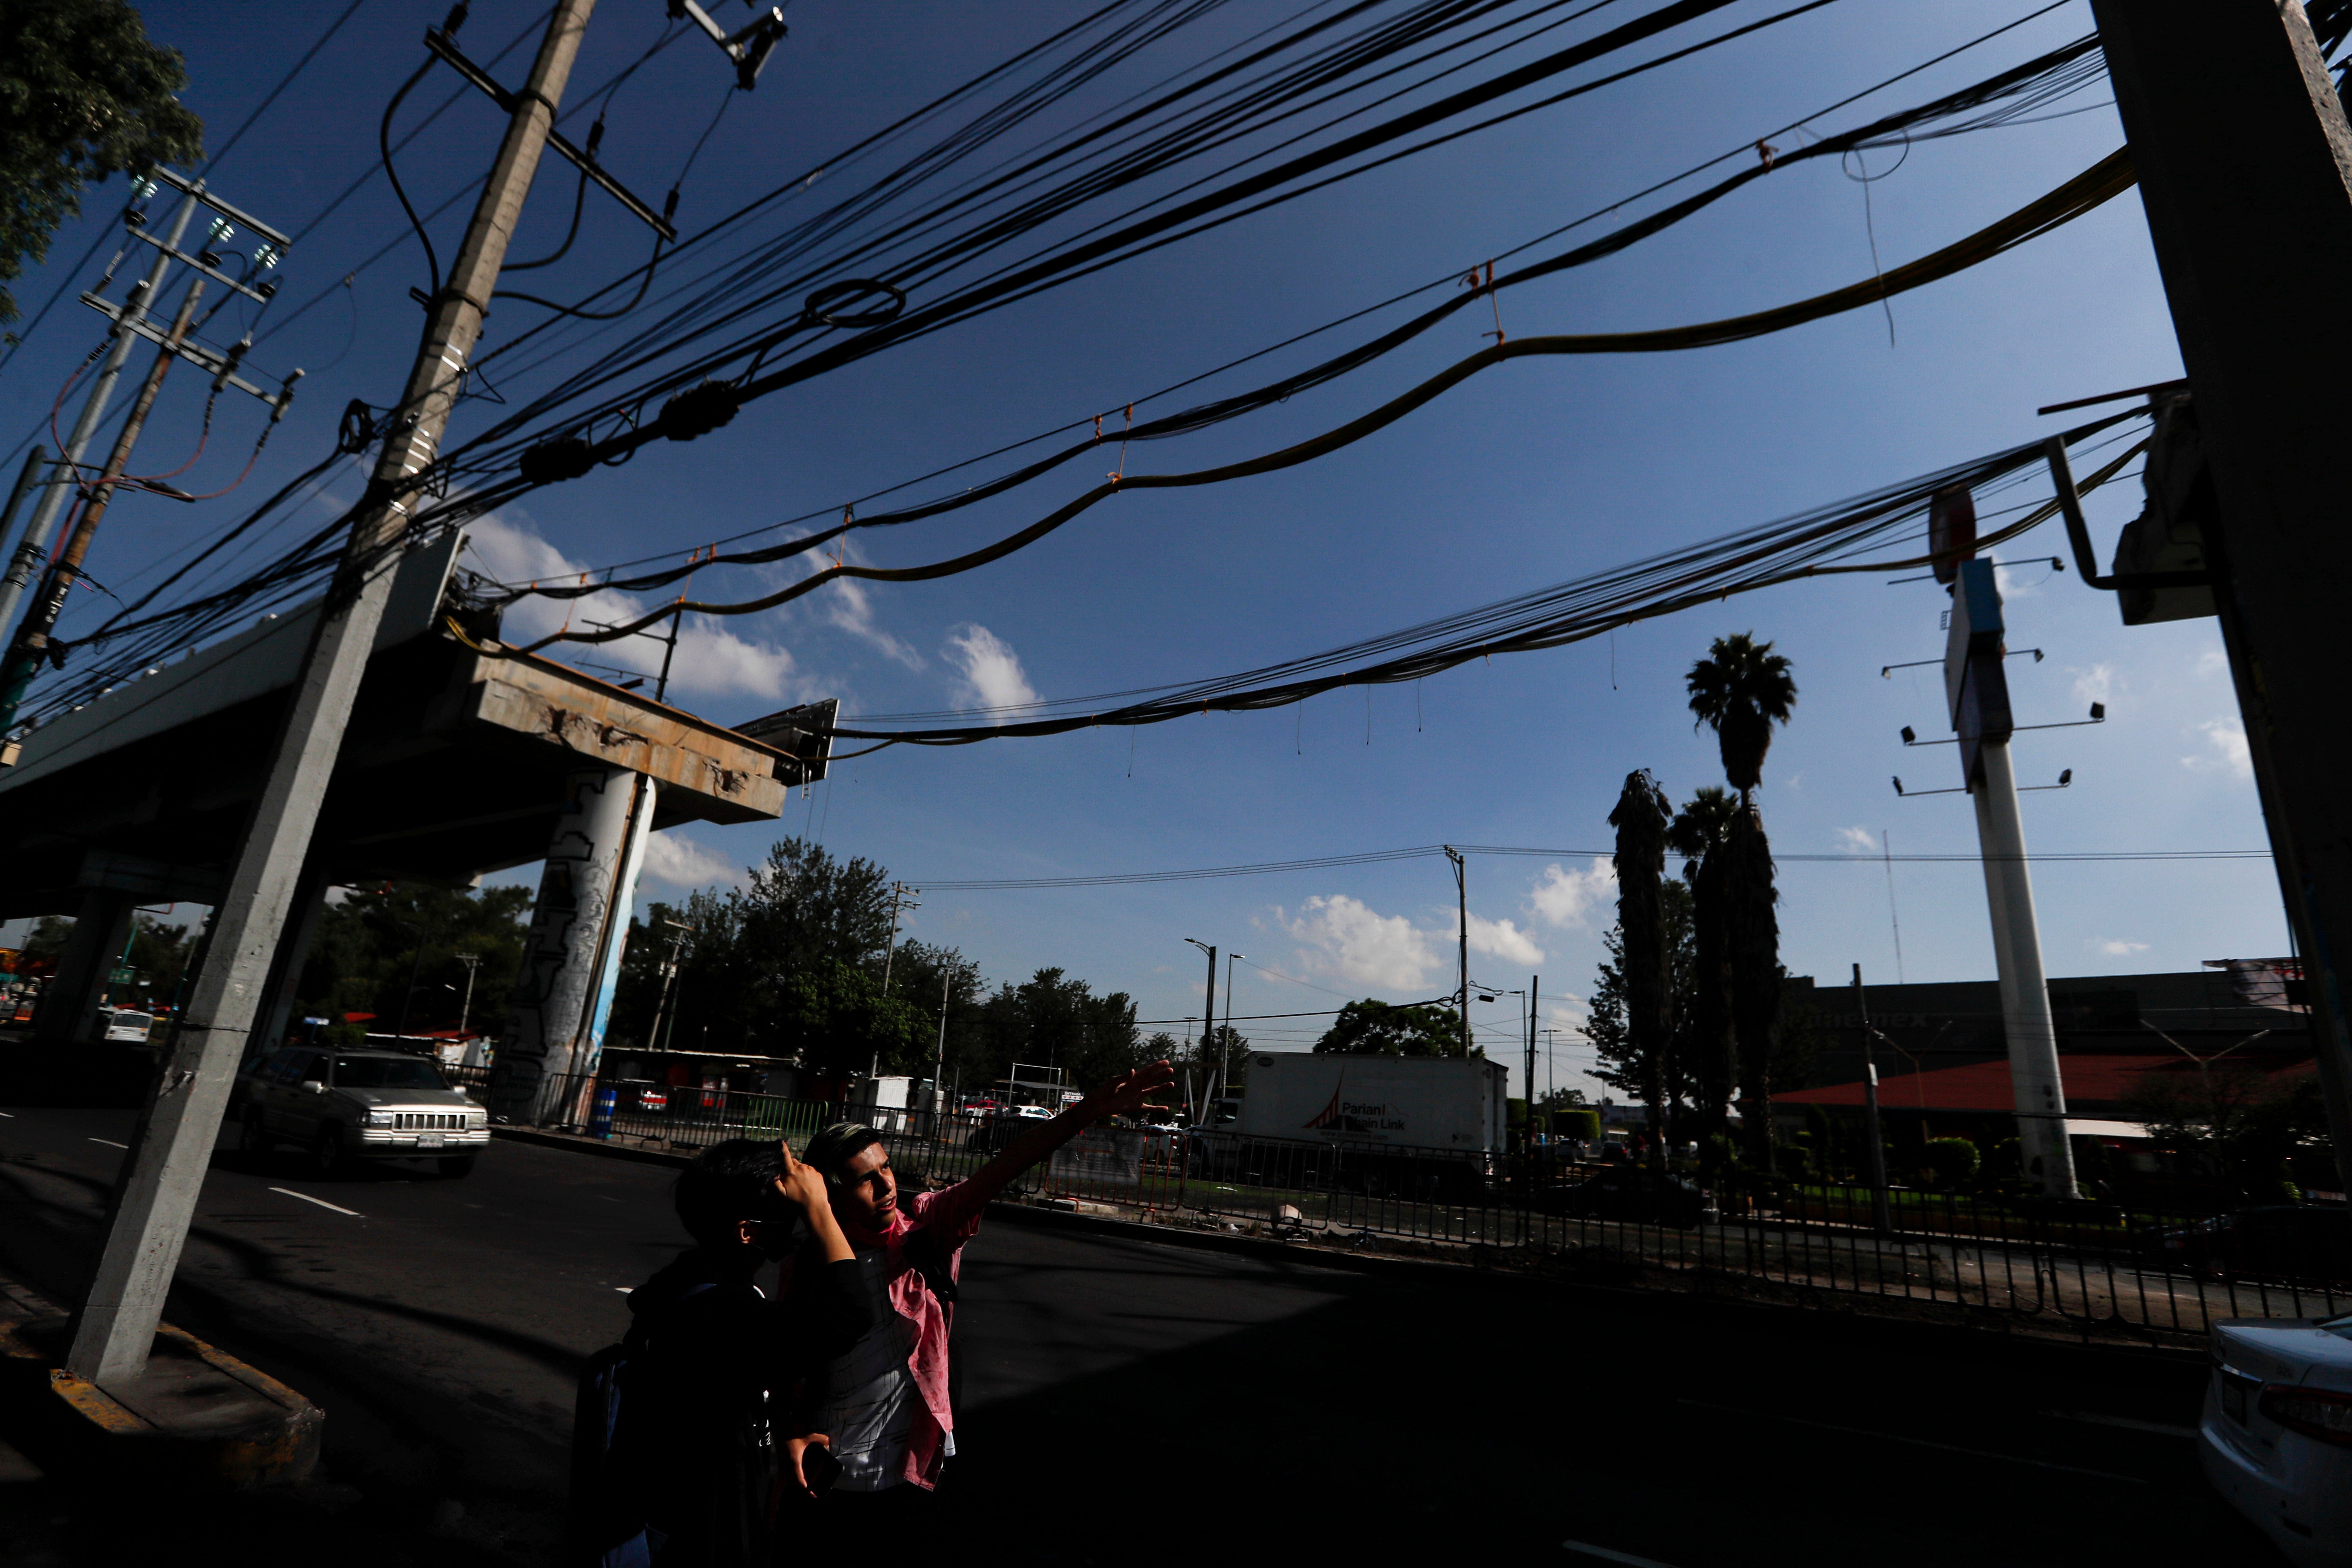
2062	478
748	47
221	367
447	49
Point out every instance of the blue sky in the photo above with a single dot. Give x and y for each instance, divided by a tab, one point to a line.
1533	473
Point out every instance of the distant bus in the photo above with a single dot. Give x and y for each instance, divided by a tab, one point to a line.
127	1024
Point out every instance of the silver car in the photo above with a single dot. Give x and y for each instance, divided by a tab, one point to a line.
344	1105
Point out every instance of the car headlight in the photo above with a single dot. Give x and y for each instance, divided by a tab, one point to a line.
376	1119
477	1118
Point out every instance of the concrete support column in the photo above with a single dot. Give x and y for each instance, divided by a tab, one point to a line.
69	1011
307	908
554	995
2024	989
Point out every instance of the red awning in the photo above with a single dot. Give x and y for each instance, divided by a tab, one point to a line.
2086	1078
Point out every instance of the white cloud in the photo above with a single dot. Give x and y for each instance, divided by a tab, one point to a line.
2114	949
683	863
2097	684
1562	897
990	672
1860	840
713	660
2213	661
1504	940
1343	937
2227	737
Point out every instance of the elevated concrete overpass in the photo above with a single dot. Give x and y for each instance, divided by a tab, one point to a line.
463	757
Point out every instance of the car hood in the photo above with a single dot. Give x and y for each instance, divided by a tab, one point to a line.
407	1099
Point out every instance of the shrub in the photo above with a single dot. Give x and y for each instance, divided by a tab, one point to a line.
2004	1159
1794	1164
1951	1162
1577	1122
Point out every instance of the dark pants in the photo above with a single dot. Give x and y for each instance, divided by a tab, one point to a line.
886	1522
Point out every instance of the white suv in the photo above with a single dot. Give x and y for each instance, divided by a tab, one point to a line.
348	1105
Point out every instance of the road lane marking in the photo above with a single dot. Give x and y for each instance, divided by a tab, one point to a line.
9	1114
2127	1423
320	1202
1608	1556
627	1289
1918	1442
110	1143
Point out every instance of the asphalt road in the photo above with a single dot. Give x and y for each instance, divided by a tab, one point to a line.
1128	1401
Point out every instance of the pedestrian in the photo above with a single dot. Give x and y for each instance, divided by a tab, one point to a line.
710	1357
885	1401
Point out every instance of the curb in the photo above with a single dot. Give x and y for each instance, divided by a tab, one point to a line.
1790	1322
198	1418
580	1145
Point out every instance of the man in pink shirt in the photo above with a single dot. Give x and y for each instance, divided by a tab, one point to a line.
883	1406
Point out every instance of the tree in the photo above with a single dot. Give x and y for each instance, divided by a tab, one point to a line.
1752	943
2231	1121
1376	1028
1633	1070
834	1017
1741	690
84	93
1641	821
1704	1039
368	943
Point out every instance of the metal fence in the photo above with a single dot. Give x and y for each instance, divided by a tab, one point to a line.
2116	1270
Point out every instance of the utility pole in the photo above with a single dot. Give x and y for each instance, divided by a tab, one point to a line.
30	646
669	978
1225	1041
1461	918
473	961
1535	985
1880	1219
93	408
901	900
176	1132
26	476
2245	161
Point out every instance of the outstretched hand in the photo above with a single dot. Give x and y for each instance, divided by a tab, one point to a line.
803	1184
1130	1092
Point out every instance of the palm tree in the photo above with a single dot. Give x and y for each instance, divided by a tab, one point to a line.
1698	833
1640	820
1740	690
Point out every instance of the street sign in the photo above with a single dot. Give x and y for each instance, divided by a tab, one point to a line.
123	976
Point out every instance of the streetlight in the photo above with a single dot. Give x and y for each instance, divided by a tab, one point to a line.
1209	1012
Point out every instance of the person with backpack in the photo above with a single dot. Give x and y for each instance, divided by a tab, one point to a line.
675	1456
883	1399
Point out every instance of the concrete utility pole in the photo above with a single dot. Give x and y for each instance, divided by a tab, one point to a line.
2245	171
62	479
30	646
1880	1219
176	1132
1462	916
1208	1020
1976	682
902	899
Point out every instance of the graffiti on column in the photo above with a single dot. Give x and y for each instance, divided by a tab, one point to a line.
559	955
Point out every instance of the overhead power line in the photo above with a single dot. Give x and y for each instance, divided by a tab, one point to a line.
1431	851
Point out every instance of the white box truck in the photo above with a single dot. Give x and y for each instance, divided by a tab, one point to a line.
1360	1121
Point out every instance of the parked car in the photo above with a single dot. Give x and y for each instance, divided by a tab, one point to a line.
2277	1241
342	1105
1002	1125
1633	1192
2276	1434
